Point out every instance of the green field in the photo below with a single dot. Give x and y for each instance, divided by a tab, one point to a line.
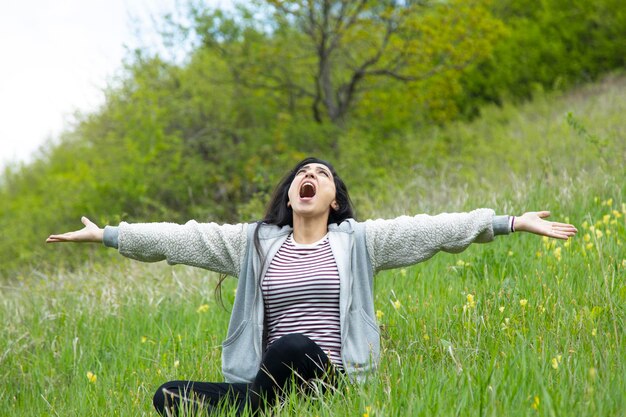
520	326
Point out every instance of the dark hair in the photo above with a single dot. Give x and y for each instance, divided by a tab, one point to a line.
279	214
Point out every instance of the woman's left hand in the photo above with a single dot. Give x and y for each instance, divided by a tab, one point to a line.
533	222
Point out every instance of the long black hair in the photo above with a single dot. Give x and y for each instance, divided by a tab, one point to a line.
280	214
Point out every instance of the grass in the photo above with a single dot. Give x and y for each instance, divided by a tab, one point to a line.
521	326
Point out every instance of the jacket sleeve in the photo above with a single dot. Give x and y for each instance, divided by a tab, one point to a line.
219	248
408	240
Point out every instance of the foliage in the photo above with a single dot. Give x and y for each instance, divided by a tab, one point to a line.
208	136
552	44
519	326
112	178
325	55
522	325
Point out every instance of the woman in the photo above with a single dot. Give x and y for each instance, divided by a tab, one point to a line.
304	308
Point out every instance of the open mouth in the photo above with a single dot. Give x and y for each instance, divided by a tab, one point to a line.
307	190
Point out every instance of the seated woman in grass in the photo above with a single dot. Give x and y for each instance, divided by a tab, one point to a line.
304	308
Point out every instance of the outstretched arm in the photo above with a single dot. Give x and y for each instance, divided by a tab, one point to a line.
90	233
219	248
408	240
534	222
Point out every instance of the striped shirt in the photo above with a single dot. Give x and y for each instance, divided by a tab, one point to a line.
301	295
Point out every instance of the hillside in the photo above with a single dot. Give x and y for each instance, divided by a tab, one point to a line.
557	142
520	326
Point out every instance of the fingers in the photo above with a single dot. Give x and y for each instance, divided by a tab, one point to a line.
65	237
543	214
74	236
564	227
562	230
555	230
560	235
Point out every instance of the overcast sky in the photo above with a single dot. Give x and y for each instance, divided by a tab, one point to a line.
57	57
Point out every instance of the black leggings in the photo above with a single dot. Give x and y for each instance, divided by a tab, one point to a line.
292	357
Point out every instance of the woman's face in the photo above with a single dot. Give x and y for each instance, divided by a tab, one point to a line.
312	191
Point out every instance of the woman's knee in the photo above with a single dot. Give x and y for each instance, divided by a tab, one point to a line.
294	342
295	352
166	395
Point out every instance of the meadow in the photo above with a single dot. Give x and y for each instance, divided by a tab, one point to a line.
522	326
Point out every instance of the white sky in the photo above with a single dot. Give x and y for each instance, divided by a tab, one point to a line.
56	57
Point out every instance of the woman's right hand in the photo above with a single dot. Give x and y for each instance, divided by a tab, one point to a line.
90	233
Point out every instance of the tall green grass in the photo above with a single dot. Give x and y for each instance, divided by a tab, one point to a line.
520	326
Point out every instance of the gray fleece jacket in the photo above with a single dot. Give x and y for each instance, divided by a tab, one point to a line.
361	249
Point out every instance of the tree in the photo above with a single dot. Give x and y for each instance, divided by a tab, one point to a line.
324	53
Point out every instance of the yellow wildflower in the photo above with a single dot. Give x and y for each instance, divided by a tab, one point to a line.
367	412
144	339
203	308
379	314
617	214
426	337
606	218
535	404
501	309
566	244
523	302
623	263
589	246
557	253
176	364
587	237
585	225
510	253
594	332
397	304
92	377
592	373
470	301
599	233
555	363
460	262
